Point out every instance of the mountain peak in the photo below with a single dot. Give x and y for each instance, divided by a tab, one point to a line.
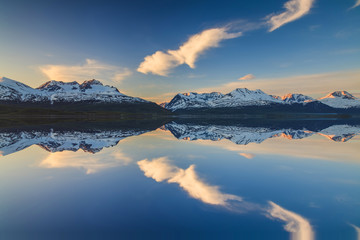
245	91
2	79
296	98
55	85
89	84
92	82
188	94
340	99
340	94
5	80
13	83
241	90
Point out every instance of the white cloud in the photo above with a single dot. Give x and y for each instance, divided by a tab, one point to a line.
247	77
298	226
160	63
90	69
295	9
357	3
160	170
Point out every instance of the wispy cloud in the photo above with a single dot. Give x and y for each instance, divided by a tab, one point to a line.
160	63
196	75
88	70
160	169
357	3
314	27
247	77
346	51
295	9
298	226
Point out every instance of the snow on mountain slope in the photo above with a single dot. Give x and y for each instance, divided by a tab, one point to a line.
58	141
296	98
58	91
11	90
340	99
245	97
236	98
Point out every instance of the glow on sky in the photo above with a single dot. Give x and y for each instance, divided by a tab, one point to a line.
156	50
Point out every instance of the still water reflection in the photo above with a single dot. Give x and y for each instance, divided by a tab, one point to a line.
182	179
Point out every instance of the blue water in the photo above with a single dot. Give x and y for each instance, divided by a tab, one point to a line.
157	186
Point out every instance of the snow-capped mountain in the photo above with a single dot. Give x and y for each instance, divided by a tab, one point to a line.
296	98
237	98
57	141
58	91
340	99
11	90
243	97
245	135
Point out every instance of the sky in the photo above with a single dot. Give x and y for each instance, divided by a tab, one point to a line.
155	49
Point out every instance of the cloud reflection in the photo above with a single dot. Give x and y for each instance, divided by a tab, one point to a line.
357	229
298	226
90	163
160	169
247	155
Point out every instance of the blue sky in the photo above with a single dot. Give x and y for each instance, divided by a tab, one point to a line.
314	49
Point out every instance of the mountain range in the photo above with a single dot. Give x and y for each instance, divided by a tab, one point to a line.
92	95
244	98
58	91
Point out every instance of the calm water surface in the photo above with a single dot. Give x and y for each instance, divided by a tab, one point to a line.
181	180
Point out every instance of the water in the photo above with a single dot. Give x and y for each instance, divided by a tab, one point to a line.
184	180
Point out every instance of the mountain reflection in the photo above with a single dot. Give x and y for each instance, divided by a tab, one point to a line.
93	137
85	136
243	135
57	141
